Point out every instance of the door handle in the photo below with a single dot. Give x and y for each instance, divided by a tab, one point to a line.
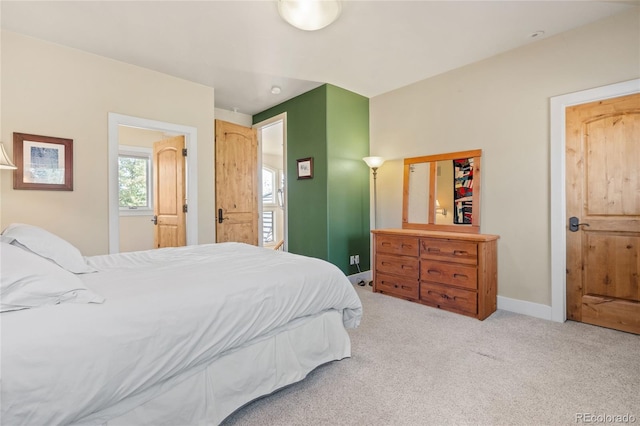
574	224
221	218
154	219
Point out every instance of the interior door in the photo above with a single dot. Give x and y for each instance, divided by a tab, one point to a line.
169	193
603	200
236	183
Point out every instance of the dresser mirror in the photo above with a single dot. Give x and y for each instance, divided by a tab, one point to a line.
442	192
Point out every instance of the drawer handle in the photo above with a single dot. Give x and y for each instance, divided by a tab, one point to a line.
433	249
383	263
434	272
406	245
460	252
406	267
463	276
445	296
384	244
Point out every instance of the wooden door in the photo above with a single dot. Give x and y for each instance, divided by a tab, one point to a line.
236	183
169	193
603	194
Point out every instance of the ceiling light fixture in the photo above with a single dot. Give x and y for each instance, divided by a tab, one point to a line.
276	90
309	15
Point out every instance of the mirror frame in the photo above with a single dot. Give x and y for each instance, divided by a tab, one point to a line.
431	225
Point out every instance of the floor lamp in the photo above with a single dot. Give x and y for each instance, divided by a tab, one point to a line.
374	163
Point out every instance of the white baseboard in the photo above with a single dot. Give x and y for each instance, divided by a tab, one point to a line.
523	307
517	306
366	276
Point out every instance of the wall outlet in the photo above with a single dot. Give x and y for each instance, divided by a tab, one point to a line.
352	260
357	260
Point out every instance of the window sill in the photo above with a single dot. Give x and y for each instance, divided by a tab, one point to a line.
136	212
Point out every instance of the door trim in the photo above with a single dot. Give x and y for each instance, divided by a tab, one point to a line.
558	200
280	117
191	143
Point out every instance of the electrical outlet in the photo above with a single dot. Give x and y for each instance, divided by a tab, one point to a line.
352	260
357	259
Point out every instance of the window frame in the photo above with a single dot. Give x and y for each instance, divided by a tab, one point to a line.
274	186
145	153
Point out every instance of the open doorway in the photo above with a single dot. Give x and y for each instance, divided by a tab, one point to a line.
272	173
118	123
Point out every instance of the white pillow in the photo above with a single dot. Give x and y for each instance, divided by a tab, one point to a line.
28	280
46	244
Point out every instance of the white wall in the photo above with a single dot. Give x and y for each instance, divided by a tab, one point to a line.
51	90
501	105
234	117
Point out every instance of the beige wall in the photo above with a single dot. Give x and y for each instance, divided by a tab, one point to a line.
501	105
53	90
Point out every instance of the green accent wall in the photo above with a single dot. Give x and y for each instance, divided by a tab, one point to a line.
328	216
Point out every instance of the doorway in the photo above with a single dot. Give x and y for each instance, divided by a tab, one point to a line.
273	183
558	191
190	134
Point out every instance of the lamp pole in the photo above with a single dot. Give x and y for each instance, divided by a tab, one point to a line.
374	163
375	198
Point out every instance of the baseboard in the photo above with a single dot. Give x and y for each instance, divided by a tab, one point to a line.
523	307
360	276
517	306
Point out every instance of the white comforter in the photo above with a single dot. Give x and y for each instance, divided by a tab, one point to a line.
168	312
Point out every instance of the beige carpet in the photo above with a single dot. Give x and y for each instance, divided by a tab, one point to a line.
415	365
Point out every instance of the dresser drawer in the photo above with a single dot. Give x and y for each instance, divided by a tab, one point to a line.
398	265
449	273
405	246
400	286
449	298
449	250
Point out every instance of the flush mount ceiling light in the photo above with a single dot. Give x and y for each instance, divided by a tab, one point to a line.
309	15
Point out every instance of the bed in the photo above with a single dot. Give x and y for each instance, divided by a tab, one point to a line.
169	336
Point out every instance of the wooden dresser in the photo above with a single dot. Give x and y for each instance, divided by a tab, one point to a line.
454	271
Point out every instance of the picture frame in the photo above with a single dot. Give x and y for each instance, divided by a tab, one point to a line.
305	168
43	162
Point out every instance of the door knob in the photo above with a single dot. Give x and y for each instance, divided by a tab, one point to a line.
574	224
154	219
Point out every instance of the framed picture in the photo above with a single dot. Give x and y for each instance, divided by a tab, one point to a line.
305	168
44	162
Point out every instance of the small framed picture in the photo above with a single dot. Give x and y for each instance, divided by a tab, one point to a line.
305	168
44	162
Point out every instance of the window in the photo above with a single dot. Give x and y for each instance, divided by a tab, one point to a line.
270	193
268	186
134	180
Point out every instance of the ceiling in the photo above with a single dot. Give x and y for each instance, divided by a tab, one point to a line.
243	48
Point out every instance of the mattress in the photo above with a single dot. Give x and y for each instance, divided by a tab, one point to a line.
168	315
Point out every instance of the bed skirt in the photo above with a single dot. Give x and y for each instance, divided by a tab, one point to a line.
245	374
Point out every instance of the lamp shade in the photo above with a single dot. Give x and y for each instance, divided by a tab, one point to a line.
374	162
5	162
309	15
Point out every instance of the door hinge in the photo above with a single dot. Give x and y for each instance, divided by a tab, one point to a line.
184	152
184	208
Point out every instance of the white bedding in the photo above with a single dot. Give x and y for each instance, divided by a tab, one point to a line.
168	313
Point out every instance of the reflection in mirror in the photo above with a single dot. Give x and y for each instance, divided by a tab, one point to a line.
419	192
442	192
463	191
